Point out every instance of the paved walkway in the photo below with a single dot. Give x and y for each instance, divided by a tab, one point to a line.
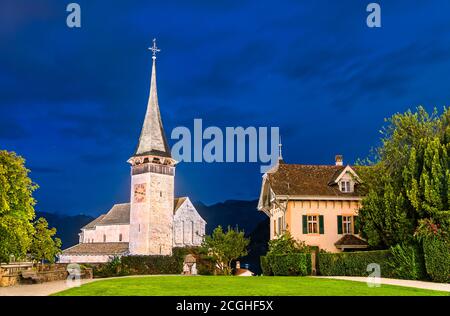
408	283
43	289
48	288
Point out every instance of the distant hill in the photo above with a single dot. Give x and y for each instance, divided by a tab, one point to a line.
243	214
67	227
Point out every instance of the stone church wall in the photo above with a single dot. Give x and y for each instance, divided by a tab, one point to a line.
189	227
112	233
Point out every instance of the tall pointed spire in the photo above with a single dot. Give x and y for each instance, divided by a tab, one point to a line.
152	140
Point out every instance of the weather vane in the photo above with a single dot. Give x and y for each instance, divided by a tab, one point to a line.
154	49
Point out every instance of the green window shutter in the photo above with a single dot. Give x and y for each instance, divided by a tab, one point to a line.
321	229
339	223
305	224
355	225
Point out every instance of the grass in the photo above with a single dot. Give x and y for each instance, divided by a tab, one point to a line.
237	286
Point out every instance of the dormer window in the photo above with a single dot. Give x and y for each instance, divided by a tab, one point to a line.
346	186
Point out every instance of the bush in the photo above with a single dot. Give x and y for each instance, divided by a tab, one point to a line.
354	263
156	264
407	262
298	264
132	265
265	266
109	269
437	259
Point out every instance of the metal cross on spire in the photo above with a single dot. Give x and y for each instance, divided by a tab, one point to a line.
154	49
280	156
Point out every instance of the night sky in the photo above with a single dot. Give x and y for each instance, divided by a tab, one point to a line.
72	101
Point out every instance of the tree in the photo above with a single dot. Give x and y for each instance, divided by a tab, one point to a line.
16	206
285	244
224	247
409	182
43	245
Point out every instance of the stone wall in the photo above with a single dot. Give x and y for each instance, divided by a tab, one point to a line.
14	274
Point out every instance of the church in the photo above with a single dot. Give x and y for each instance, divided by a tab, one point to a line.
154	221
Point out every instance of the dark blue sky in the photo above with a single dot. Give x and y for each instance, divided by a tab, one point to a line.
72	101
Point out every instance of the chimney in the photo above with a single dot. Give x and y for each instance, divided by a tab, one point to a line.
238	265
339	160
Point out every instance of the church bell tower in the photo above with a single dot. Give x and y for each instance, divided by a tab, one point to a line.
152	183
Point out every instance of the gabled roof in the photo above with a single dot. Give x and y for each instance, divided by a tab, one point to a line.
351	241
99	248
308	180
92	224
118	214
152	140
178	202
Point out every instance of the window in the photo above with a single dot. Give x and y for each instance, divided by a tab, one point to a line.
346	186
347	227
313	224
120	237
104	238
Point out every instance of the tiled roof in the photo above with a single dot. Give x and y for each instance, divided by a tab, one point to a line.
92	224
118	214
350	240
178	202
308	180
101	248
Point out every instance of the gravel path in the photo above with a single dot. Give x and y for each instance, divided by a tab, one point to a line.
407	283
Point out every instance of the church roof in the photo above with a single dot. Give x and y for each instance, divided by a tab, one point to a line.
152	140
178	202
99	248
118	214
92	224
308	180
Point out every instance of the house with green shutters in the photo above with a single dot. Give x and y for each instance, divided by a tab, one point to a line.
317	204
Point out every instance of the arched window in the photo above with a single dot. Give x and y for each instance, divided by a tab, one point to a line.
104	238
120	237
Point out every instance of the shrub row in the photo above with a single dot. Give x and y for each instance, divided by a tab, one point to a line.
295	264
437	259
354	263
136	265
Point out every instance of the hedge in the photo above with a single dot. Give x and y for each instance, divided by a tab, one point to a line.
135	265
354	263
296	264
437	259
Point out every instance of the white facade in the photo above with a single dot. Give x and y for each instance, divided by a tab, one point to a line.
188	226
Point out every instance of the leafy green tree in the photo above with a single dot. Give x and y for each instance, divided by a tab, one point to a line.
16	206
409	180
225	247
286	244
44	247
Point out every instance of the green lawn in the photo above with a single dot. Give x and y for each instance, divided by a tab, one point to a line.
237	286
